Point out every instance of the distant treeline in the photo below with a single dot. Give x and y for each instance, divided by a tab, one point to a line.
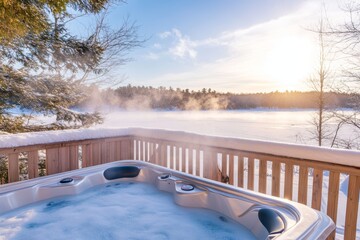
142	97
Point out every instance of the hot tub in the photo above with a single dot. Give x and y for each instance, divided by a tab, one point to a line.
138	200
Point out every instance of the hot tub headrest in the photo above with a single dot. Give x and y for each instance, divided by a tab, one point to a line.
121	172
271	221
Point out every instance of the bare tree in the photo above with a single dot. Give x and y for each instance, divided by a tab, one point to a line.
338	43
320	83
347	37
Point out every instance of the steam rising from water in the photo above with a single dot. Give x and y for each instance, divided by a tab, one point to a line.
148	98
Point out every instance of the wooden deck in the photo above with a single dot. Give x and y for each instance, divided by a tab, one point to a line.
294	172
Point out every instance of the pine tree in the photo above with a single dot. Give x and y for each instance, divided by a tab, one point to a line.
45	68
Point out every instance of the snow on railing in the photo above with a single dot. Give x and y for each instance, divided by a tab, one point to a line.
306	174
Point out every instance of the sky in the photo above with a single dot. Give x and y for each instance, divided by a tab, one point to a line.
226	45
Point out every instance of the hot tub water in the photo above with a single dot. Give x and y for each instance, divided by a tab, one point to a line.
124	210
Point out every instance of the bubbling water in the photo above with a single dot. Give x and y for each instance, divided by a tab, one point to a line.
123	210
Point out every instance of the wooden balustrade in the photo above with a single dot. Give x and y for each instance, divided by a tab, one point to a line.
297	173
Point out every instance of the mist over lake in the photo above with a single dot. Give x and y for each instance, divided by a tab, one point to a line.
291	126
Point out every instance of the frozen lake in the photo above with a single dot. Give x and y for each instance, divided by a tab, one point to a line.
291	126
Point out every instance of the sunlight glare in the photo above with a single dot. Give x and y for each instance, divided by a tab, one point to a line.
290	62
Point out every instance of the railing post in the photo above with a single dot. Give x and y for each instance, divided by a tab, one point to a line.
33	161
251	170
333	196
183	159
240	171
262	176
197	160
96	153
13	173
303	185
163	154
86	155
125	153
74	157
52	161
157	153
146	149
289	181
352	207
64	159
231	169
317	189
192	161
114	151
171	157
177	157
275	183
104	152
139	149
131	157
211	169
152	151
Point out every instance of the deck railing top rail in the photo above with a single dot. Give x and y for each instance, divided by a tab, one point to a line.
59	136
320	154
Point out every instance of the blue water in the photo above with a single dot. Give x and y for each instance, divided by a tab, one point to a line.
118	211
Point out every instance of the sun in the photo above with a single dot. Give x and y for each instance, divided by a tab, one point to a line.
290	62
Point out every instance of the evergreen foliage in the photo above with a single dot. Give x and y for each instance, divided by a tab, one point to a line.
44	68
19	18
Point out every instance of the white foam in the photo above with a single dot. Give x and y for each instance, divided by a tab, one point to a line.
118	211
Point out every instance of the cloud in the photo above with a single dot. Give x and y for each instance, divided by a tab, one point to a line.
173	43
182	46
275	55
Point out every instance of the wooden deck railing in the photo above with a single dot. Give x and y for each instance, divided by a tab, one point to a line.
309	175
